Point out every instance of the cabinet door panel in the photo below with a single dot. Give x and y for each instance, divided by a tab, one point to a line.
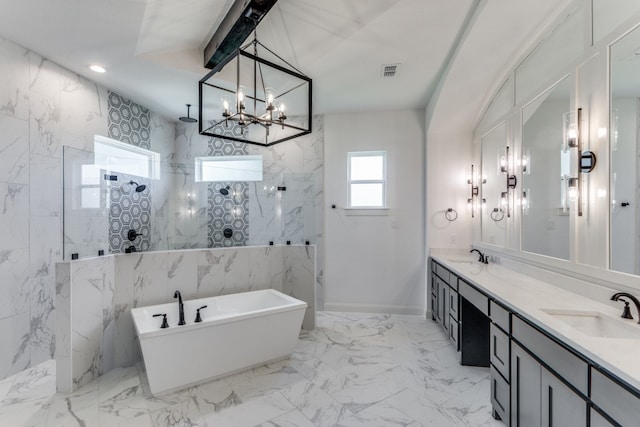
561	407
598	420
445	307
525	389
499	346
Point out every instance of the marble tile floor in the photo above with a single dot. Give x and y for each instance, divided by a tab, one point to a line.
353	370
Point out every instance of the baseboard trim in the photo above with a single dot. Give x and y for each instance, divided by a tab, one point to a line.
373	308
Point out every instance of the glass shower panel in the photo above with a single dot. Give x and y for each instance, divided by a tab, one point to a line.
86	218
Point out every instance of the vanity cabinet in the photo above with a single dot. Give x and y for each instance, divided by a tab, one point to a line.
619	403
539	398
536	379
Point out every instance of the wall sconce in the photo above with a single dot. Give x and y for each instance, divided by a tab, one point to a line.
473	181
505	166
525	201
582	161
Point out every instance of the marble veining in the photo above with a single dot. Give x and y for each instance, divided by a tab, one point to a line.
354	370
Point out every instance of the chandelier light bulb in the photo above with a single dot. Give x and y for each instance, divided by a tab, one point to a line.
241	91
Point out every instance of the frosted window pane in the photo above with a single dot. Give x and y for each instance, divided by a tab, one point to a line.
229	168
367	168
90	175
366	195
115	156
90	197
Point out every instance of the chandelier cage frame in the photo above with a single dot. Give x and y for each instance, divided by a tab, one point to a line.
245	119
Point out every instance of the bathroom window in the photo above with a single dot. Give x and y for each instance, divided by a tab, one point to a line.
228	168
116	156
367	175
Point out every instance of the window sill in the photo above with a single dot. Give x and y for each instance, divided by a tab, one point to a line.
366	211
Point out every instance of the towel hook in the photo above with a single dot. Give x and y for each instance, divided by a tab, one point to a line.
451	215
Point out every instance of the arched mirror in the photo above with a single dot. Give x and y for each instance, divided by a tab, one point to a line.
494	209
545	169
625	150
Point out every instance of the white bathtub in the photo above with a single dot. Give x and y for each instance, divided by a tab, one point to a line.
238	331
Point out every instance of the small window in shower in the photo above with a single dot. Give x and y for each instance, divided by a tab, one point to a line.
228	168
116	156
367	175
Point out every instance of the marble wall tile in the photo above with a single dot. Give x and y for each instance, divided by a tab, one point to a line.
45	177
14	275
42	331
236	270
83	106
182	273
211	266
89	279
44	125
14	150
45	244
45	77
63	327
14	87
300	277
150	279
14	224
14	351
265	268
108	316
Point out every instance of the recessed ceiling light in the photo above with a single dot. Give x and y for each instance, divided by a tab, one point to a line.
97	68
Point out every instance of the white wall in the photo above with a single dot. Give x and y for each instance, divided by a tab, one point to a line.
376	263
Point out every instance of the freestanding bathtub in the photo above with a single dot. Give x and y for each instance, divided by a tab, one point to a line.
237	332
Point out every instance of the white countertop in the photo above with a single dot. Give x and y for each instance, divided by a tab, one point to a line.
528	297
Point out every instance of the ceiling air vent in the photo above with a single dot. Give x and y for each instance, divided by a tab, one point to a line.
390	70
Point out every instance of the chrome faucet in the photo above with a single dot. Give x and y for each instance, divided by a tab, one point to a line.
180	308
626	312
481	257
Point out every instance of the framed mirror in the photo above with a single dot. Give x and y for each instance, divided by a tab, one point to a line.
494	211
625	149
544	165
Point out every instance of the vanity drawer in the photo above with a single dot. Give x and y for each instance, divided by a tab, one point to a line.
500	395
475	297
499	347
453	304
454	332
443	273
614	400
453	281
500	316
562	361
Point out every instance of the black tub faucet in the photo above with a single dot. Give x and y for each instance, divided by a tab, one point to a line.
618	296
180	308
481	257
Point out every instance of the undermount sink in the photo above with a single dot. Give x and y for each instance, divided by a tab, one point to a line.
596	324
460	260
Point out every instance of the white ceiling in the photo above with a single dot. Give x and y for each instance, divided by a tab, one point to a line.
153	49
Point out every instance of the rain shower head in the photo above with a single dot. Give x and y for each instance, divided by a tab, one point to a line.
139	188
188	119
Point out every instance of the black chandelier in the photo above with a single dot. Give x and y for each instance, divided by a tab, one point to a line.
255	100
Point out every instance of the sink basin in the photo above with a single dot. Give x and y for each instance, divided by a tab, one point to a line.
460	260
596	324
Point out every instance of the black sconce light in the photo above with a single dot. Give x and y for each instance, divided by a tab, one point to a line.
584	161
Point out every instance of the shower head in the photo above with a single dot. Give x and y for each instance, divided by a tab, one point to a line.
139	188
188	119
225	190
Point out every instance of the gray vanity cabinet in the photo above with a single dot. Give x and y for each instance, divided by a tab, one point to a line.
561	407
614	400
525	389
539	397
598	420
